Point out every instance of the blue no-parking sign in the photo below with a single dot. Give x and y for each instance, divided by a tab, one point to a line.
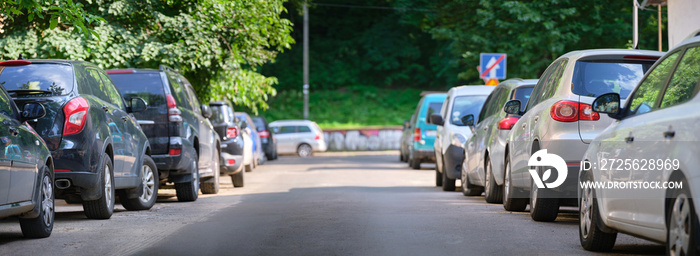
493	65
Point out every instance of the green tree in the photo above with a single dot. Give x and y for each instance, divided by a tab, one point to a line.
66	12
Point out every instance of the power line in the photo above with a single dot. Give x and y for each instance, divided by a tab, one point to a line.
374	7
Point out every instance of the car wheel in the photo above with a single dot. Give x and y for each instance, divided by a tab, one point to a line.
492	192
541	207
438	178
189	191
149	188
304	150
467	188
681	224
248	168
103	207
211	186
447	183
591	236
415	164
510	203
237	179
401	157
42	225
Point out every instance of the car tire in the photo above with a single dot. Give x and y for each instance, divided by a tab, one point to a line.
542	208
149	188
438	178
592	238
248	168
415	164
510	202
189	191
103	207
681	221
467	188
304	150
447	183
42	225
211	186
493	193
401	157
237	179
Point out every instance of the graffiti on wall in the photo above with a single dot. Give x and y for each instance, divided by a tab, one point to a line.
363	139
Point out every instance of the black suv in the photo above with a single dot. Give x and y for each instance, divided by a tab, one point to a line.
232	146
98	149
25	192
185	145
269	143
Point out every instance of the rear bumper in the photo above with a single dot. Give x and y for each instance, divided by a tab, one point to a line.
424	156
319	146
231	169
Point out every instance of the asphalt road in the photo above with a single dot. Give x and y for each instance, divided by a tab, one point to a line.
330	204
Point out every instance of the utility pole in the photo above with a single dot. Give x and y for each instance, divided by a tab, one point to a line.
306	63
660	31
635	25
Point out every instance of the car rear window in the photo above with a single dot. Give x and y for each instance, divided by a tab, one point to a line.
465	105
147	86
220	114
433	108
259	123
593	78
42	78
523	95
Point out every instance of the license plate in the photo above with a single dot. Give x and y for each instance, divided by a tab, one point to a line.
431	133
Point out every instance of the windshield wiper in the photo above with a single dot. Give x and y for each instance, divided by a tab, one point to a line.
28	91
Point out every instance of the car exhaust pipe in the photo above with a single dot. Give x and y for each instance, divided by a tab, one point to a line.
62	183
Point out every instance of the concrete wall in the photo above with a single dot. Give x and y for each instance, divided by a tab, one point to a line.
362	139
683	19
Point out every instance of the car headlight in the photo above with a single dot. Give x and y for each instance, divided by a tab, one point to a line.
458	140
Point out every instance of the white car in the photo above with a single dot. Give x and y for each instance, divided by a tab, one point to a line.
298	136
650	153
452	132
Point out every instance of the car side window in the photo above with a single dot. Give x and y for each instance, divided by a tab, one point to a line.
178	91
301	129
644	98
194	102
539	88
287	129
99	89
112	91
488	108
443	110
553	81
5	106
684	80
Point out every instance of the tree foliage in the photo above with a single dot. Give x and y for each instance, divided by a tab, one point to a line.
217	44
67	12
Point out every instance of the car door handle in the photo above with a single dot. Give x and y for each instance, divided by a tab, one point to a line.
629	139
537	118
125	118
669	134
13	131
105	108
524	125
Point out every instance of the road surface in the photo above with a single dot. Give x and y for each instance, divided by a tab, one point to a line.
365	203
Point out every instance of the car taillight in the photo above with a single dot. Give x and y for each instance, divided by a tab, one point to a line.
318	137
173	111
175	151
416	134
14	63
76	115
266	134
507	123
571	111
231	162
231	132
61	170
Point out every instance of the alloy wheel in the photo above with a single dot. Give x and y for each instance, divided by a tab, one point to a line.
109	197
148	183
680	226
47	203
585	219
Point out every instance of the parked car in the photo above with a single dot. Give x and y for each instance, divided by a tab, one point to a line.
655	132
558	117
248	152
26	182
484	152
420	148
252	130
185	146
406	139
269	142
452	131
302	137
232	147
99	151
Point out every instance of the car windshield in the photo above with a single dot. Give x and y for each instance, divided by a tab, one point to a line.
594	78
147	86
523	95
465	105
37	79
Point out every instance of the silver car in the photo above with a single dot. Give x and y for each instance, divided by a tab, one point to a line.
485	151
653	141
558	118
452	132
298	136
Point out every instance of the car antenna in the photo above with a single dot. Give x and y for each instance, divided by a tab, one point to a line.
20	57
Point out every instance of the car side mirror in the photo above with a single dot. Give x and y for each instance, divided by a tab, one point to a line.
512	107
206	111
137	105
468	120
608	103
436	119
32	111
244	125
